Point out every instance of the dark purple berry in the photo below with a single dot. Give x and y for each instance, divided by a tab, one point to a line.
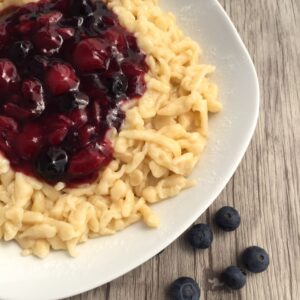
228	218
234	277
119	85
200	236
52	164
184	288
72	100
20	50
82	7
255	259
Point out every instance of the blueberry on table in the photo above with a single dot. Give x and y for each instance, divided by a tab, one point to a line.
200	236
255	259
234	277
184	288
228	218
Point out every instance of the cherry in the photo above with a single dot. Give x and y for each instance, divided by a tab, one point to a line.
3	35
78	116
50	18
8	124
62	5
90	55
94	86
116	37
61	78
48	40
32	90
136	86
66	32
16	111
25	27
52	164
86	134
130	69
8	130
28	142
57	128
85	162
8	75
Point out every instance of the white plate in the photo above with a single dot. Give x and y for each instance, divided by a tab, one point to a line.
104	259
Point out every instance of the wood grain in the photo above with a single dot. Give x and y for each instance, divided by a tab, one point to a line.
265	188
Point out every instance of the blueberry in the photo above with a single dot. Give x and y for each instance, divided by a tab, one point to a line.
52	164
20	50
184	288
73	22
228	218
234	277
72	100
82	7
119	85
36	66
93	25
200	236
255	259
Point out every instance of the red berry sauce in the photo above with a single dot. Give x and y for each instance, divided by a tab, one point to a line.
66	68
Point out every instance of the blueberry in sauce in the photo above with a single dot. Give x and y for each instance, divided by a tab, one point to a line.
20	50
52	164
119	85
66	69
71	100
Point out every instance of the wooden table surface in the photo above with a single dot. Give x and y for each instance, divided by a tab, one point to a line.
266	187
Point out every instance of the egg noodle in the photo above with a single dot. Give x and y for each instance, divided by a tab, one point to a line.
160	143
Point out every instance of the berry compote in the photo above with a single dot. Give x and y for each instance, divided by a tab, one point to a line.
66	69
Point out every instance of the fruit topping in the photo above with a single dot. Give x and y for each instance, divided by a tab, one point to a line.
47	40
61	78
90	55
66	69
52	164
8	75
20	50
